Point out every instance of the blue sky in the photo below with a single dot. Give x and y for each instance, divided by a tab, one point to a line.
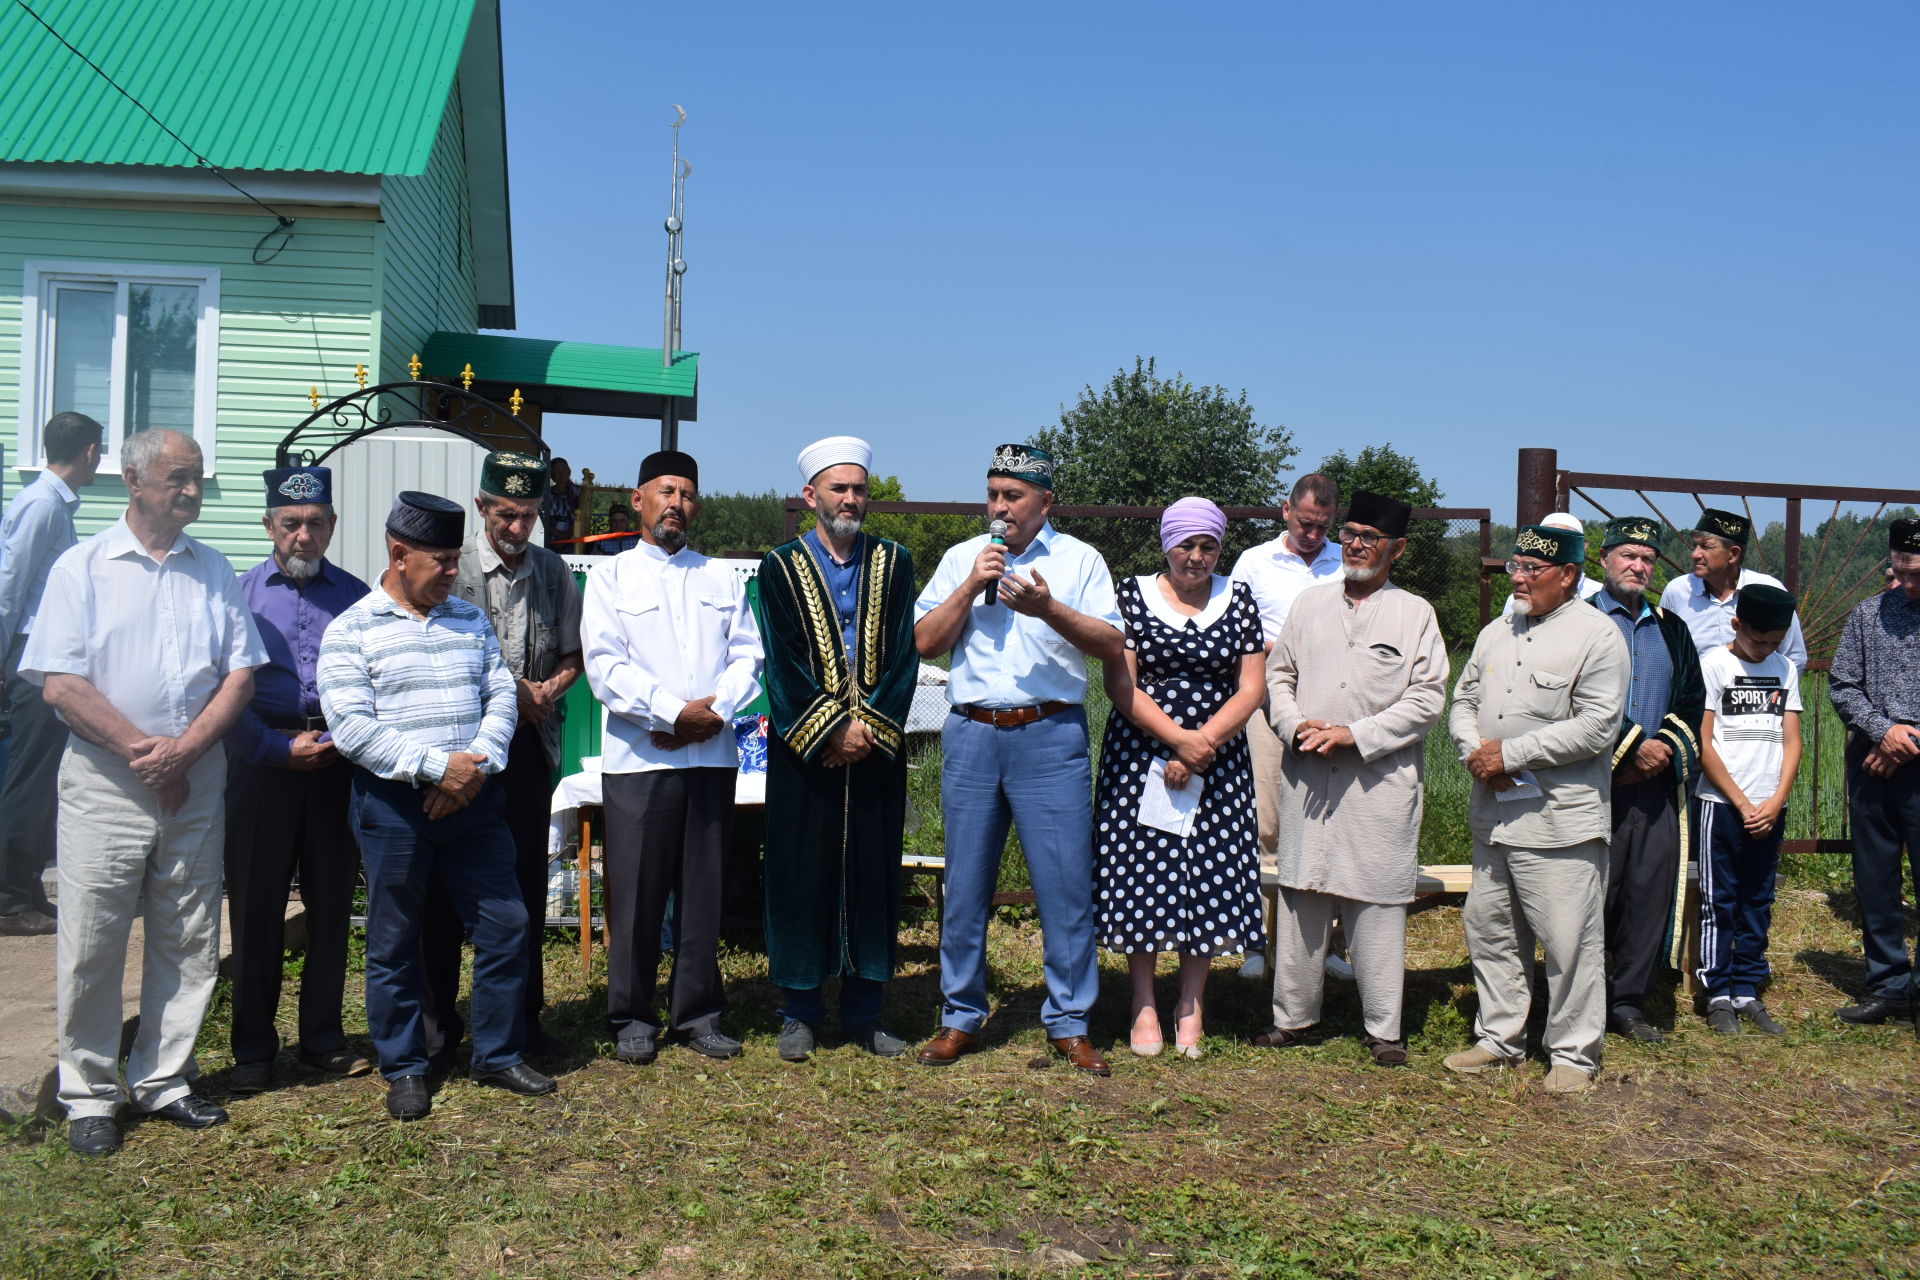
1670	239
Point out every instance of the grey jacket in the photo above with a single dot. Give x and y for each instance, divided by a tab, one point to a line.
1552	691
549	627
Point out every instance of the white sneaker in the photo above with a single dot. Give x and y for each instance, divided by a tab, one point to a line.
1255	966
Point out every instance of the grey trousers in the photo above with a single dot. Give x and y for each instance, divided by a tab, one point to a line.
1376	944
121	857
1557	896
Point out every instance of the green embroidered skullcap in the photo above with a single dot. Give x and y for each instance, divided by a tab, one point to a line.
1763	608
1023	462
1728	526
1640	530
1557	546
513	475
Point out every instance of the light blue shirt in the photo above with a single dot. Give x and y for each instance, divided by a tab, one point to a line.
1006	659
1711	621
37	528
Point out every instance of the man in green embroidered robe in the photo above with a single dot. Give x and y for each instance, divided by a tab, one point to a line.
837	617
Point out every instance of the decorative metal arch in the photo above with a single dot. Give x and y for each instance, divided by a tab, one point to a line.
393	406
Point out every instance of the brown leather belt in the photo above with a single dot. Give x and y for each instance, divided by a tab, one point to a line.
1008	717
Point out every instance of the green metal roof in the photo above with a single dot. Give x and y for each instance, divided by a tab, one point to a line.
630	377
338	86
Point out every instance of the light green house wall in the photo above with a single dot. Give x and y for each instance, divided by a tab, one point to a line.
350	288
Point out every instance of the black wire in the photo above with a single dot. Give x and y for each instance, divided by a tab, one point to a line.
285	223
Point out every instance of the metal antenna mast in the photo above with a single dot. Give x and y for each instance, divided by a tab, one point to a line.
676	269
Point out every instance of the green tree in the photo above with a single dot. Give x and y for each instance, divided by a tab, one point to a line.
1144	440
926	537
1384	470
731	522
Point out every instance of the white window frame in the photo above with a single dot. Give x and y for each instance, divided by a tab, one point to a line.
38	281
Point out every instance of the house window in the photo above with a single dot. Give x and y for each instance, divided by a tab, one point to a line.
134	347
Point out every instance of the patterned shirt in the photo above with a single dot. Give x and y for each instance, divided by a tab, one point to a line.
1875	677
1652	687
403	693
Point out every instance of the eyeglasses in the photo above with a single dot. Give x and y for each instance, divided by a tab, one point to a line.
1527	569
1352	537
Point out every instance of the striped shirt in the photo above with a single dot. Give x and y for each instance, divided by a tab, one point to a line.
402	693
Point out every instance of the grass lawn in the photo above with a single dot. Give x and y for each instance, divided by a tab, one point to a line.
1708	1157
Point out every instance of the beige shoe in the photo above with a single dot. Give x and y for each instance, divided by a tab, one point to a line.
1474	1061
1563	1078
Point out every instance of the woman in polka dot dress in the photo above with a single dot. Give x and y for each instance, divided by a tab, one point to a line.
1193	676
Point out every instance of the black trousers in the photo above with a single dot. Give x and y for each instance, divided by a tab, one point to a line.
1885	814
30	796
280	821
667	833
1643	865
528	784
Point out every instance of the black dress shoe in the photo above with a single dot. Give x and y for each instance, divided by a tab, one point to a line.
1875	1010
250	1077
518	1078
29	924
714	1044
408	1098
1756	1013
190	1112
94	1136
1633	1024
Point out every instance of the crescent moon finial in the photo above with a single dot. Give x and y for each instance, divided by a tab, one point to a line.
686	166
680	116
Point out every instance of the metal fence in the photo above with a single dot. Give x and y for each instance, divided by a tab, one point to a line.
1447	562
1831	564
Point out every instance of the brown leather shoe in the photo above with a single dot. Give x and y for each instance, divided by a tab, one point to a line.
946	1047
1079	1052
1289	1037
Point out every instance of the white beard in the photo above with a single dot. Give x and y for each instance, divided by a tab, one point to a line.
845	526
1352	574
511	548
301	569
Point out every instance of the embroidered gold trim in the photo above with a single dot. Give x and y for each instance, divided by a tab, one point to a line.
1627	744
872	609
820	623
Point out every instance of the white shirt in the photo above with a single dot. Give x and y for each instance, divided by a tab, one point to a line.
1749	701
658	632
156	639
1275	573
1711	621
1589	588
1006	659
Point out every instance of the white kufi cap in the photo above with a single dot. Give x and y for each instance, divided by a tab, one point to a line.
834	451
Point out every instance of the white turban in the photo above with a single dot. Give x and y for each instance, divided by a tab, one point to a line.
1562	520
834	451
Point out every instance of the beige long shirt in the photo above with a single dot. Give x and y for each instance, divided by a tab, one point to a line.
1349	821
1551	690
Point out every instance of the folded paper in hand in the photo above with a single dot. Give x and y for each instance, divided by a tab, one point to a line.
1525	787
1165	808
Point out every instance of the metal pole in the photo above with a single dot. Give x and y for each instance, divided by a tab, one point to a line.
670	423
1538	480
1793	545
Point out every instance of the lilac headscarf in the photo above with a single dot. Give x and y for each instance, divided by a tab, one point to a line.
1189	518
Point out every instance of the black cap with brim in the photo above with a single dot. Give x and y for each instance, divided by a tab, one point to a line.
427	520
1904	536
1557	546
1729	526
1763	608
670	462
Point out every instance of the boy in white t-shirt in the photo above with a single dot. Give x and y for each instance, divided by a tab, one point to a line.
1751	733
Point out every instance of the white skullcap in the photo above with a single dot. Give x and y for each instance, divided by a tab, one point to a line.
1561	520
834	451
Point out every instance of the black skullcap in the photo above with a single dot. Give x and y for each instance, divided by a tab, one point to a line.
1388	515
427	520
1763	608
670	462
298	486
1643	531
1904	536
1728	526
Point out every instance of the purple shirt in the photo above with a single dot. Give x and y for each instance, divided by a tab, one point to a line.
291	618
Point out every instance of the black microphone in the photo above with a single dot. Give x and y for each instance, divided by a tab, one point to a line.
996	537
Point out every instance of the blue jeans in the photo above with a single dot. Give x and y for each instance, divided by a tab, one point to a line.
1035	776
474	855
859	1004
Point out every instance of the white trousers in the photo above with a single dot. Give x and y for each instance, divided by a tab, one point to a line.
1557	896
1376	944
120	857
